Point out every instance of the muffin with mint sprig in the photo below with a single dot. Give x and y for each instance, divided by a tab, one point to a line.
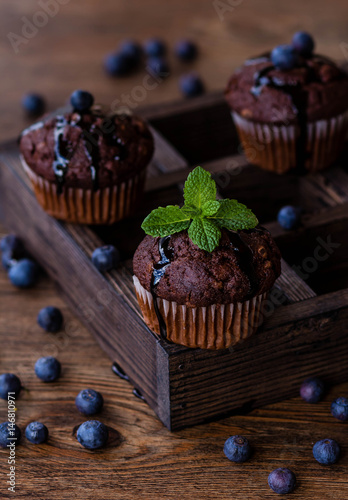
203	271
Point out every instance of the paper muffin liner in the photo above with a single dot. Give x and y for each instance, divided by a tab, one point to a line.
218	326
86	206
273	147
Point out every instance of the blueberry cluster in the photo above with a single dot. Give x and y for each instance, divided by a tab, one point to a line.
326	451
286	57
91	434
130	56
22	271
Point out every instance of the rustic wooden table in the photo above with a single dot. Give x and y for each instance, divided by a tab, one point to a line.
144	460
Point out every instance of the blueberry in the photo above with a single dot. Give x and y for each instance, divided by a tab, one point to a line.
155	47
282	481
158	66
312	390
81	100
7	260
339	409
24	273
284	57
36	433
132	51
47	368
89	402
12	244
326	451
303	43
186	50
191	85
33	104
9	433
118	64
237	449
289	217
92	434
105	258
9	383
50	319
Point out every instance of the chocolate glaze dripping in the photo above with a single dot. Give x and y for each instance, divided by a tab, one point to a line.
299	102
61	152
119	371
245	259
158	271
90	135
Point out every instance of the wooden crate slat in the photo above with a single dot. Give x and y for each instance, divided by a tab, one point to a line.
186	386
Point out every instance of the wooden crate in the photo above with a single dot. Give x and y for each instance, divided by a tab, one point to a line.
305	328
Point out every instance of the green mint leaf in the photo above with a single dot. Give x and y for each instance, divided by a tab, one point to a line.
191	211
234	216
166	221
205	234
210	208
199	188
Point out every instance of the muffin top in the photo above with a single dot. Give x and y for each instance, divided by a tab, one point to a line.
88	150
314	87
244	265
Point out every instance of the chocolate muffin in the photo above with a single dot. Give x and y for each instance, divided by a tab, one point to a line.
88	167
208	299
290	108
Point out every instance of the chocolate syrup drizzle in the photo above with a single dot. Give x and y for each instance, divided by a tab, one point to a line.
299	97
159	269
245	260
63	152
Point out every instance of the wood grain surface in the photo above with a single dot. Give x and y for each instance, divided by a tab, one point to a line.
144	460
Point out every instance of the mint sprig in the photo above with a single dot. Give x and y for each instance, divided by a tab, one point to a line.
202	214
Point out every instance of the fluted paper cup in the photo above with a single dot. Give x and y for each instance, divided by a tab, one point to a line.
218	326
86	206
273	147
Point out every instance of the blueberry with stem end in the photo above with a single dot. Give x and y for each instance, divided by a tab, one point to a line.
154	47
36	433
339	409
50	319
9	383
303	43
11	243
158	66
24	273
191	85
92	434
312	390
289	217
284	57
33	104
132	51
237	449
81	101
106	258
10	433
89	402
47	368
282	481
186	50
117	64
326	451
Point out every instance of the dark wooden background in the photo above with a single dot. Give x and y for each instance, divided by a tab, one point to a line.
144	460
